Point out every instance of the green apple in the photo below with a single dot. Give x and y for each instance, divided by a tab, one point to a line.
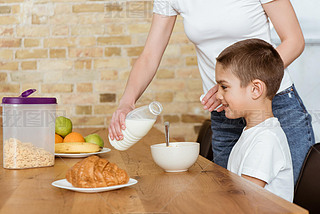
63	126
94	138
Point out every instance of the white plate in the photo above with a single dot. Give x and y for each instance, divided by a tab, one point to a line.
64	184
82	155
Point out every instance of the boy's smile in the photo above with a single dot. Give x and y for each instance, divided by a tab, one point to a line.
234	98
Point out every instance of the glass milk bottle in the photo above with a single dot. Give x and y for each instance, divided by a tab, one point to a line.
138	123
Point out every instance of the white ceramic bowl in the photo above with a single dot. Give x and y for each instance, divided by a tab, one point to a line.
178	157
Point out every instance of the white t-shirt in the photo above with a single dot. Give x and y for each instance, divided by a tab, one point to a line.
262	152
213	25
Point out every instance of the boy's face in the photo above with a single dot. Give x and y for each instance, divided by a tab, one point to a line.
235	99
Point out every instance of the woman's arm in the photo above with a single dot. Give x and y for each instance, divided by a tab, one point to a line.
285	22
143	71
147	64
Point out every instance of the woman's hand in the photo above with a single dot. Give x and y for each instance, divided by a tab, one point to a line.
210	101
117	123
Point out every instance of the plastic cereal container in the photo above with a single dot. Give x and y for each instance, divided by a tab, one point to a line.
28	131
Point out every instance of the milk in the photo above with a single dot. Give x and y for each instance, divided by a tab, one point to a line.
135	130
139	127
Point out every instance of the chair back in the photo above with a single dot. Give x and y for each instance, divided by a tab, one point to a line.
205	140
307	191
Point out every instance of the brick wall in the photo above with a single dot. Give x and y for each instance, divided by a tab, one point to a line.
81	52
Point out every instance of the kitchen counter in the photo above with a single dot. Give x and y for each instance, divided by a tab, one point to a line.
205	188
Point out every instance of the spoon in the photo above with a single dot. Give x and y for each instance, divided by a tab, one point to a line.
166	129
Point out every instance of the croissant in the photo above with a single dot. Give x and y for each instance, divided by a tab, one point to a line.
93	172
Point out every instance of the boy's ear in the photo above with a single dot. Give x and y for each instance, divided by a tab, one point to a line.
257	88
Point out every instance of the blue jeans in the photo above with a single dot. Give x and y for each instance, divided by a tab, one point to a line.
295	121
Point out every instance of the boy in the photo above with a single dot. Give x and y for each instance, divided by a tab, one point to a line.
249	73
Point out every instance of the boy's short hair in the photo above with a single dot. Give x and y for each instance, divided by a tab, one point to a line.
254	59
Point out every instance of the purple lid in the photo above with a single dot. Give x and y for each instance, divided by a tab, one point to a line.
24	99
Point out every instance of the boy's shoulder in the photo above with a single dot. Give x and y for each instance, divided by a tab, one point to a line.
275	133
270	139
269	135
269	129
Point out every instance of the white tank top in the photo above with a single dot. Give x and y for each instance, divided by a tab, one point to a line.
213	25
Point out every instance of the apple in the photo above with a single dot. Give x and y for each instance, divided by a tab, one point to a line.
63	126
94	138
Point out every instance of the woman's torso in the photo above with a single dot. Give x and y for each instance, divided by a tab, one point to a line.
213	25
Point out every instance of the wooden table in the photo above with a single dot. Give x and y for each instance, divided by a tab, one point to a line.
205	188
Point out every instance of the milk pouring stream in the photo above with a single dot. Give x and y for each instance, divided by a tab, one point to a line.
138	123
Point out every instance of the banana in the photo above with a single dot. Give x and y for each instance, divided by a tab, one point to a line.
76	147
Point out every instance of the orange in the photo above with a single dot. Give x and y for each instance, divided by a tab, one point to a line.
73	137
58	138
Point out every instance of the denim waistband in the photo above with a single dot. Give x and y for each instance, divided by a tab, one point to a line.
287	90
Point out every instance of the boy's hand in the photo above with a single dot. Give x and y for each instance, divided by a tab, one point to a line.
210	101
254	180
